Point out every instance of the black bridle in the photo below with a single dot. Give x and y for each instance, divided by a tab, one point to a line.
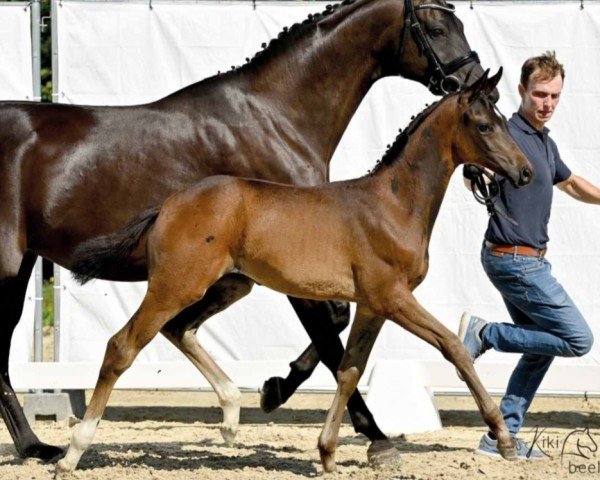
440	74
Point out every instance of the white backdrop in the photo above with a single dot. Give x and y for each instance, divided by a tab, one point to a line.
16	84
15	52
125	53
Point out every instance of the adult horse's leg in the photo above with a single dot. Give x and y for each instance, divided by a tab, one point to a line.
12	295
409	314
181	331
277	390
365	328
324	336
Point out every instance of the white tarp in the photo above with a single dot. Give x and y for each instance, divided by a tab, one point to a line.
124	53
16	84
15	52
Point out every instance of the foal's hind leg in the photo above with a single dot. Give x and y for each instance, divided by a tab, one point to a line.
12	295
277	390
365	328
164	299
409	314
181	331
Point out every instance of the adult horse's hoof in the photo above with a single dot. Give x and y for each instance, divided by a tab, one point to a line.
270	394
382	452
42	451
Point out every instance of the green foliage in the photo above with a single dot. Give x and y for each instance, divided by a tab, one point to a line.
48	312
46	85
46	53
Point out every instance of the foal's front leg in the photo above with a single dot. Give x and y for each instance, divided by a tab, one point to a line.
365	328
409	314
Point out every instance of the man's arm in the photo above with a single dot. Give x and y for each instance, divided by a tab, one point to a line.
580	189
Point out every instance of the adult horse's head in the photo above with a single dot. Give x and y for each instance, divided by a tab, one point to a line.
481	134
433	49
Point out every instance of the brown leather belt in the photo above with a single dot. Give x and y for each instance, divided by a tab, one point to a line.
516	250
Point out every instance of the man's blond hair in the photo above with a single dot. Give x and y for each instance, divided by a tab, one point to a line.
542	68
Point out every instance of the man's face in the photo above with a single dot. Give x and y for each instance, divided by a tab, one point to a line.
539	99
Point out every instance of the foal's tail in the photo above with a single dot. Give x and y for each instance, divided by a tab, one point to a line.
100	255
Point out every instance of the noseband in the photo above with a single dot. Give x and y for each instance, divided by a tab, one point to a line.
440	74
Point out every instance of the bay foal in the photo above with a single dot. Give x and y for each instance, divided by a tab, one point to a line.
363	241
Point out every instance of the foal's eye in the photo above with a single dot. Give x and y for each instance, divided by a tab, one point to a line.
484	128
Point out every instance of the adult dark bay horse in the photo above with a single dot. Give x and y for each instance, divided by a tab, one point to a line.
71	173
363	241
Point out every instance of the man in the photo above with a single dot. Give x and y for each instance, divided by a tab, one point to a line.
546	321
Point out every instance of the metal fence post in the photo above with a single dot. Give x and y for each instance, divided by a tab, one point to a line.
36	52
57	288
56	268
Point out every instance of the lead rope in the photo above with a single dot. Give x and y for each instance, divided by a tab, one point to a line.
486	193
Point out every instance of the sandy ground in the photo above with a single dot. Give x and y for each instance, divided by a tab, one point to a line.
175	435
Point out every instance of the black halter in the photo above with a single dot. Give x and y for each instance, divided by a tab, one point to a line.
440	74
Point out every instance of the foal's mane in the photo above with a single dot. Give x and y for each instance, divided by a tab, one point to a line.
395	150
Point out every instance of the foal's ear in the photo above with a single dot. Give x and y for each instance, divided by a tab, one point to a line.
469	95
492	82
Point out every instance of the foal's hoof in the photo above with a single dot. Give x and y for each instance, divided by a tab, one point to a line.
509	453
228	434
63	472
42	451
506	446
328	461
270	394
382	452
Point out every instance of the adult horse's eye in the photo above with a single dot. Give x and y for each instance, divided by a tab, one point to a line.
436	32
484	128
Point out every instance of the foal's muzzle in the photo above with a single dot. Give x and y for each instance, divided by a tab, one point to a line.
525	176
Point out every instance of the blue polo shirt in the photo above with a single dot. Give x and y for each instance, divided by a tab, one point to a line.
529	206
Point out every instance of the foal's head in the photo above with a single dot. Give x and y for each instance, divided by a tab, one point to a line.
481	135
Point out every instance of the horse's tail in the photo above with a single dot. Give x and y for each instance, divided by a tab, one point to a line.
100	255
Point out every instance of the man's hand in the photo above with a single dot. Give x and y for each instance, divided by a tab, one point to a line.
470	172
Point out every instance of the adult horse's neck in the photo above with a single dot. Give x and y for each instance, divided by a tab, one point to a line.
418	175
309	83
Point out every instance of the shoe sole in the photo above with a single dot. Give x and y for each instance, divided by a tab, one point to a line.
497	455
488	454
462	332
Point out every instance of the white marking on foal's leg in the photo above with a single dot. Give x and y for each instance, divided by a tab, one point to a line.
80	441
230	400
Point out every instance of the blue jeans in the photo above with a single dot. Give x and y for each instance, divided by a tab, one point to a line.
546	324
